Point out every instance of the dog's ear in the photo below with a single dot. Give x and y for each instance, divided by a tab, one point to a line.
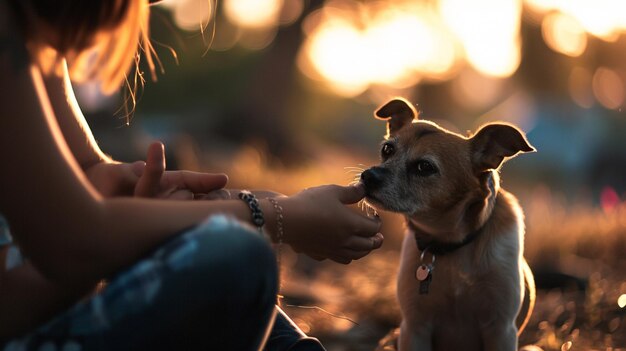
397	112
493	142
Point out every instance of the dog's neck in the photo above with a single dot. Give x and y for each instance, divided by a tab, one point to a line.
428	241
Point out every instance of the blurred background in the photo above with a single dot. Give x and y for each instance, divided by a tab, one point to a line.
280	94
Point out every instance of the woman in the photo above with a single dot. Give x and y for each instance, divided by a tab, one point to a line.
182	274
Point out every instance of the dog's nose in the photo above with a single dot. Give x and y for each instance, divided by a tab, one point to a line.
373	177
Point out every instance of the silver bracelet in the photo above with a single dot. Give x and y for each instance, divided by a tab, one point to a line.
280	229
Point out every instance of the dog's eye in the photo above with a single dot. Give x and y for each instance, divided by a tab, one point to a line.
423	168
387	150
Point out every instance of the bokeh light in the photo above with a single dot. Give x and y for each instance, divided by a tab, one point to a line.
608	88
605	19
253	13
332	53
580	87
291	11
488	30
353	46
251	24
190	15
564	34
621	301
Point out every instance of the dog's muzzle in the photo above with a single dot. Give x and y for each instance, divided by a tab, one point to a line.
373	178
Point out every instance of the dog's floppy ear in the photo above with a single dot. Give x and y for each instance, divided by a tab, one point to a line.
397	112
493	142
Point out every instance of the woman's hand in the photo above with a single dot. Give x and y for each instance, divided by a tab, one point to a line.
318	223
113	179
150	179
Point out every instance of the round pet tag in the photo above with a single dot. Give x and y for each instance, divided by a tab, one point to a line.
422	272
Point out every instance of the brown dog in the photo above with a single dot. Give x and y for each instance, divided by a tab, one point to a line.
462	271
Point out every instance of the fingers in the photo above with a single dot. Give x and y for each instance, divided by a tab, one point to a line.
148	184
342	260
350	194
137	167
183	184
317	257
354	249
359	243
359	247
366	226
196	182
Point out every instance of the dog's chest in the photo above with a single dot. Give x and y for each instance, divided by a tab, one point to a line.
450	286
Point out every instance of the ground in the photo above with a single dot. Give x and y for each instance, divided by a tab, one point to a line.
579	271
576	248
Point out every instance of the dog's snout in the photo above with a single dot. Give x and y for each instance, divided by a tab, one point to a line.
373	177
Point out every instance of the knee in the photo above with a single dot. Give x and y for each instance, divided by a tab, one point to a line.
237	243
242	258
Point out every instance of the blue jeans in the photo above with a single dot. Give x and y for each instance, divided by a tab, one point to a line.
211	288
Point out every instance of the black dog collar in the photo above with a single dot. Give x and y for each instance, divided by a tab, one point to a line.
441	248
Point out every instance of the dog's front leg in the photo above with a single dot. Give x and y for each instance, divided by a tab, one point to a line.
502	337
414	339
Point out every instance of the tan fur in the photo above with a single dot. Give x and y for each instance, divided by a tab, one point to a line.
477	290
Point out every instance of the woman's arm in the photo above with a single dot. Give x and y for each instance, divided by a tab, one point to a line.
67	229
71	121
109	177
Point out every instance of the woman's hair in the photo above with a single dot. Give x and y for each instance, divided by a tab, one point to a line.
101	39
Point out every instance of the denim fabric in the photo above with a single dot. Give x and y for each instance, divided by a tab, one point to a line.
211	288
5	235
14	255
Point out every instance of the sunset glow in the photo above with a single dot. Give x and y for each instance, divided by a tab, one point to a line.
488	30
253	13
351	46
605	19
564	34
190	14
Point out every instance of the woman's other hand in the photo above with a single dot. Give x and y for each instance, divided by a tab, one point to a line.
318	223
150	179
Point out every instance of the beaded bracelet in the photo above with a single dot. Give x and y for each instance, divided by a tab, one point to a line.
253	204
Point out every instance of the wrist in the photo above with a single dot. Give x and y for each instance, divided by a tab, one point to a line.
266	215
271	223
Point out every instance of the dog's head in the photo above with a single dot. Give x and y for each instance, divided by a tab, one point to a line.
443	181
